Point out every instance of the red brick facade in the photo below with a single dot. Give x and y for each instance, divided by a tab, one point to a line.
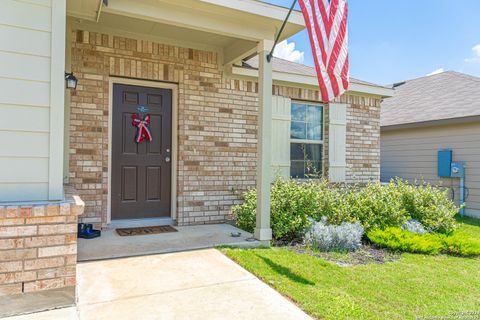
217	124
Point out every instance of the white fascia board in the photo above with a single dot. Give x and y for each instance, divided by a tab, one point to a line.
312	82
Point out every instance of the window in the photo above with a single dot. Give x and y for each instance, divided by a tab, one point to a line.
306	141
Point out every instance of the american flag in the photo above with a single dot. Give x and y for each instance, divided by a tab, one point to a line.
326	22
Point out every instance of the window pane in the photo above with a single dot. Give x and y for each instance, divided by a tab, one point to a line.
297	151
314	131
306	124
298	112
314	114
297	130
313	169
305	160
313	152
297	169
303	151
314	122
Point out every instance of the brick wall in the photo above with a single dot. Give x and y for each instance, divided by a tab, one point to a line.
217	124
363	138
38	246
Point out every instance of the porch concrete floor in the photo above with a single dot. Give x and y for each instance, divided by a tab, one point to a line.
111	245
202	284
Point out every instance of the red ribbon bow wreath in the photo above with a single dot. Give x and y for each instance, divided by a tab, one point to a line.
143	128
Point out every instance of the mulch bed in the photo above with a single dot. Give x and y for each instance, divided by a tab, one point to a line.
366	255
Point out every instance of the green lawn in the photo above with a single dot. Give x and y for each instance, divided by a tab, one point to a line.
413	286
469	226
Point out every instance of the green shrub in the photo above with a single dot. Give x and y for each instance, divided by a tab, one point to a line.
375	206
459	245
292	203
245	213
406	241
429	205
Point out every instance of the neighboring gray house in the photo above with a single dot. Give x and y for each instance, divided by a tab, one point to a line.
425	115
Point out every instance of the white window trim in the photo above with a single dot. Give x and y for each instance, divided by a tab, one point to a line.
308	141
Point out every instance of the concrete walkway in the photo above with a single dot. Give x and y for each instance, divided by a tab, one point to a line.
201	284
111	245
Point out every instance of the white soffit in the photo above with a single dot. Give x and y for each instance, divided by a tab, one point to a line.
230	27
241	19
85	9
155	29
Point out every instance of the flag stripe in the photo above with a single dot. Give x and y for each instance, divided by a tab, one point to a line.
337	45
342	63
335	28
317	49
323	12
327	24
342	58
333	12
323	91
317	46
319	30
318	6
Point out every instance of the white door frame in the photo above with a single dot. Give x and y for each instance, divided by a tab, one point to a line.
151	84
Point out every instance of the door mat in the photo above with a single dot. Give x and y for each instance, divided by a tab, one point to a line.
141	231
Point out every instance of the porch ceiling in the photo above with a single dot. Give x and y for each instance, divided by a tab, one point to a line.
161	30
233	28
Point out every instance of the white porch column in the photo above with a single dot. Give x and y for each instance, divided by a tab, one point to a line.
263	232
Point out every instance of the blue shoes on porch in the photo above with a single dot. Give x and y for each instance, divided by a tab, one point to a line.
86	231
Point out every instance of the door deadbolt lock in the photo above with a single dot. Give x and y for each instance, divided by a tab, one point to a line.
167	159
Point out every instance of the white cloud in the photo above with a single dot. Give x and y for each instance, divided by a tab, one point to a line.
287	51
476	49
437	71
476	55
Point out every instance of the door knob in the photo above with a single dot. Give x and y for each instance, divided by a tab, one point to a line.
167	159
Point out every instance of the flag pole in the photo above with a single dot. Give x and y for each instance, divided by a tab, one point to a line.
270	55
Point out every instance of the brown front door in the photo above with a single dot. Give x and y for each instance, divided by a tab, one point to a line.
141	172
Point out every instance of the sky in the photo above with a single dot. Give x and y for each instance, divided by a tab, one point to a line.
395	40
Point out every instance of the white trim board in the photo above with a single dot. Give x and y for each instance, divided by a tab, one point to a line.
151	84
57	100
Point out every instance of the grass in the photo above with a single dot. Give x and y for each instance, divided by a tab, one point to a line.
412	287
469	227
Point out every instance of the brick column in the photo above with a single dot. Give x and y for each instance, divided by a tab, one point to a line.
38	245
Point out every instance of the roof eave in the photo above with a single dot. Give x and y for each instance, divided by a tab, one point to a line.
223	17
312	82
430	123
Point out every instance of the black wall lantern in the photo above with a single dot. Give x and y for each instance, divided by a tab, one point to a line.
71	80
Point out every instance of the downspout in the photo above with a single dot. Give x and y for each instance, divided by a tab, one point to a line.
462	195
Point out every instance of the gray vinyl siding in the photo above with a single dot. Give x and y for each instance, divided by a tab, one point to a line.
412	154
